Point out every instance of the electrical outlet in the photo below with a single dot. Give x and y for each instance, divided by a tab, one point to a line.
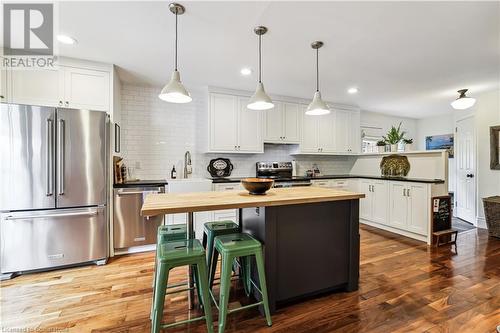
137	165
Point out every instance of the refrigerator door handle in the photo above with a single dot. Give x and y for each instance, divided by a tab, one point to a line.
24	217
60	157
49	129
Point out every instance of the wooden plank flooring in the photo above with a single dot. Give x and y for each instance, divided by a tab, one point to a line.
404	287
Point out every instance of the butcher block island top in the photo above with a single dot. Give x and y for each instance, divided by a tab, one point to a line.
172	203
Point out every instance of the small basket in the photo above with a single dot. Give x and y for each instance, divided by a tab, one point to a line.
492	214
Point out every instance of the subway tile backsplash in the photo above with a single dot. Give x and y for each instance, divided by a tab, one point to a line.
156	134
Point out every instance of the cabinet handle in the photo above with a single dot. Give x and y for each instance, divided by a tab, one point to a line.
2	97
67	103
404	192
408	192
60	103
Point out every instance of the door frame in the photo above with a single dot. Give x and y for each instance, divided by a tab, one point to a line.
461	118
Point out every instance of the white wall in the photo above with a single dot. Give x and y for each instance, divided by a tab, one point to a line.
487	113
444	124
373	119
155	135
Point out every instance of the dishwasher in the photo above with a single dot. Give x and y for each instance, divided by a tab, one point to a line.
130	228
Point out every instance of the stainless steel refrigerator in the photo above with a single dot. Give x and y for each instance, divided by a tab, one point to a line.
53	191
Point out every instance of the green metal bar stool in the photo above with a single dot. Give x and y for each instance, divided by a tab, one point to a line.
176	254
212	230
239	246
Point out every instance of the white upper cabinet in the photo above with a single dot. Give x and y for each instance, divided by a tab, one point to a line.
348	136
234	128
249	128
223	122
62	87
318	133
86	89
43	87
282	123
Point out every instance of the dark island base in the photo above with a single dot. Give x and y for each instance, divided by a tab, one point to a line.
309	249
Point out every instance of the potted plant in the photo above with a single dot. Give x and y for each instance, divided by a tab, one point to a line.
381	146
394	136
408	144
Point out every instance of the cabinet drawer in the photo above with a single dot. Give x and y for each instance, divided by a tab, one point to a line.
228	187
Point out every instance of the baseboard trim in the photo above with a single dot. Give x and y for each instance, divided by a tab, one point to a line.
481	222
396	231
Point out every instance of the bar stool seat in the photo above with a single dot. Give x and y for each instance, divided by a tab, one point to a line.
175	254
172	232
241	246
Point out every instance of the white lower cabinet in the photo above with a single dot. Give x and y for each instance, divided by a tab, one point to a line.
396	206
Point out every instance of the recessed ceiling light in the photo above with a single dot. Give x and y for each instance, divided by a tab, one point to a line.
65	39
352	90
245	71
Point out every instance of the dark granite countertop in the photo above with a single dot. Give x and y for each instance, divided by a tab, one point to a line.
405	179
141	182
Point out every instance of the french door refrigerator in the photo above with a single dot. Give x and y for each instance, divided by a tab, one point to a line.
53	190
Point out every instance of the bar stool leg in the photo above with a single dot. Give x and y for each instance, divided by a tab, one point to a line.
159	297
263	285
213	267
204	296
225	286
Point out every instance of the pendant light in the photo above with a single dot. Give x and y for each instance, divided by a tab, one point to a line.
260	100
463	102
317	107
174	91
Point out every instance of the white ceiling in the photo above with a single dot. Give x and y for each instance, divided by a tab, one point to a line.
407	58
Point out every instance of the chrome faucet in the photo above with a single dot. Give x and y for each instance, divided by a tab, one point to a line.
188	169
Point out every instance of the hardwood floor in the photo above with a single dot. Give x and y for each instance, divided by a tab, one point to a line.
404	287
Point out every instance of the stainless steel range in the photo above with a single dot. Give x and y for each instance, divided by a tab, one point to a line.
282	173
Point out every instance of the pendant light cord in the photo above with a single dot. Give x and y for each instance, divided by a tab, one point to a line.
260	58
317	69
176	40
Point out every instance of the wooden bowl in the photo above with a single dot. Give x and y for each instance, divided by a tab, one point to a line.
257	186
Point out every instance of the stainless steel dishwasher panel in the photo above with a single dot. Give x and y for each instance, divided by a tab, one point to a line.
130	228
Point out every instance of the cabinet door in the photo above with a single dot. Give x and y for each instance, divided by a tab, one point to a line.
291	123
309	136
380	203
273	124
355	131
223	122
365	204
86	89
249	128
342	131
326	130
418	214
42	87
398	208
321	183
4	83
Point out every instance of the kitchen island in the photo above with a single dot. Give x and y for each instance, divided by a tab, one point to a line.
310	235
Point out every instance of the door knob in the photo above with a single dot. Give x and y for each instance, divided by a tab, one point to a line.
470	175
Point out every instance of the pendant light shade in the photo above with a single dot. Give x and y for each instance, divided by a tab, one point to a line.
260	100
317	107
463	102
174	91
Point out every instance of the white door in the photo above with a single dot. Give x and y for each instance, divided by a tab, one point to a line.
291	122
365	204
249	128
273	124
326	129
398	208
343	131
223	122
465	151
380	201
309	141
86	89
418	205
4	86
42	87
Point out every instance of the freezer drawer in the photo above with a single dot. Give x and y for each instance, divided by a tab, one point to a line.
44	239
130	228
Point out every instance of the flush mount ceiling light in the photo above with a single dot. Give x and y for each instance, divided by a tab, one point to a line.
352	90
65	39
463	102
260	100
317	107
174	91
245	71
